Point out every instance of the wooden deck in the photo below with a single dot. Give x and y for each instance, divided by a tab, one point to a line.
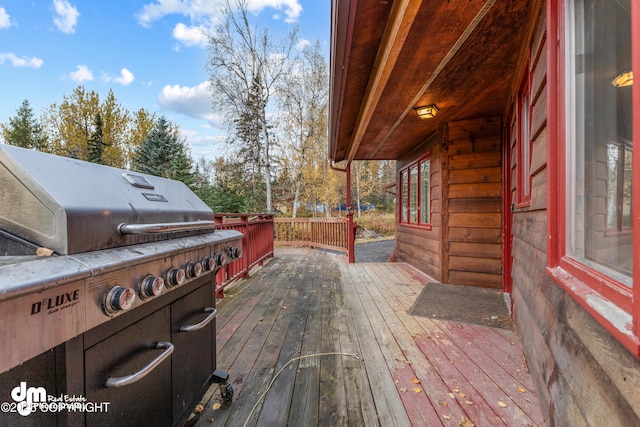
305	314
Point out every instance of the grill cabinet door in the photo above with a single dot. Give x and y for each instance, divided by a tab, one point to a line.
143	403
194	355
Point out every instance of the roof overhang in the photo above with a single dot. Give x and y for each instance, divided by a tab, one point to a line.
389	57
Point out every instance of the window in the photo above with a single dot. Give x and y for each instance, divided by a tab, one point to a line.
415	203
590	159
523	141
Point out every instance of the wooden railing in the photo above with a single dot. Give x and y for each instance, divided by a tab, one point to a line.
257	245
329	233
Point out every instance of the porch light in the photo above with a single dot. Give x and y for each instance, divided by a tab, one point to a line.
623	79
427	112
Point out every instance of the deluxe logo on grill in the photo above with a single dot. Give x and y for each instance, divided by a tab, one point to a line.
58	302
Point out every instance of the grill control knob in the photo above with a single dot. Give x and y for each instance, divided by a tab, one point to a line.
119	298
234	252
151	286
175	277
214	261
194	269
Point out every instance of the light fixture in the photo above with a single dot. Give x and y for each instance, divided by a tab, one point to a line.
623	79
427	111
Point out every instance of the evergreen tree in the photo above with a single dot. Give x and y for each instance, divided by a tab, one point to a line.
96	143
24	130
163	154
181	166
227	193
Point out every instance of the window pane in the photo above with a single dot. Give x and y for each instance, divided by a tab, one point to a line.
413	193
599	135
524	144
425	196
405	196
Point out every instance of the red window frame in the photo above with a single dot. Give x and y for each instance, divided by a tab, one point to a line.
523	140
403	173
616	307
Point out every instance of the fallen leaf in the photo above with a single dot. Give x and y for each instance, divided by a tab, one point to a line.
403	389
417	390
396	381
462	395
282	307
446	417
521	390
502	404
415	381
466	422
451	395
468	402
444	403
199	409
217	406
456	390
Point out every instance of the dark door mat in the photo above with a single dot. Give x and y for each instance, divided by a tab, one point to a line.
466	304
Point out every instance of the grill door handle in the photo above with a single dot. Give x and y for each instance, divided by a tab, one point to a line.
205	322
130	379
166	227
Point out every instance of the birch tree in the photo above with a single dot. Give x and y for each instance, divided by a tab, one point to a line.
303	101
244	66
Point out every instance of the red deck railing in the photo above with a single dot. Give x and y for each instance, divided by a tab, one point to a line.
329	233
257	245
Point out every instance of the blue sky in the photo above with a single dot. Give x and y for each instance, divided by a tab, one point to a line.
150	53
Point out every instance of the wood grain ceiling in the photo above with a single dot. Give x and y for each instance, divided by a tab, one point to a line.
391	56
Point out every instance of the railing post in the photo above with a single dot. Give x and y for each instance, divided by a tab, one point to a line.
351	238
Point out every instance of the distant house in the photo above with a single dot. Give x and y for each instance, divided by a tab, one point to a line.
519	174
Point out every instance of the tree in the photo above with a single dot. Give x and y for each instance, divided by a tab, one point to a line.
116	121
304	107
71	125
163	154
244	66
141	124
96	143
24	130
227	192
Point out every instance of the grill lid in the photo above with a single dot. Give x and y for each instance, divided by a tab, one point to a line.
73	206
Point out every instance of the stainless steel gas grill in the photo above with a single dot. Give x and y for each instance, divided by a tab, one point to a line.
107	293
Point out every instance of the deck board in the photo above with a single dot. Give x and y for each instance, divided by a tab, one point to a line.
310	310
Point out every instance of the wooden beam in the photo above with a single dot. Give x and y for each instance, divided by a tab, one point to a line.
401	18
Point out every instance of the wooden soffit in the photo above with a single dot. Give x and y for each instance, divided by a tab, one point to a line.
388	57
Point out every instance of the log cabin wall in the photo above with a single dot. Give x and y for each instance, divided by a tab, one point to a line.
464	244
583	375
420	247
472	214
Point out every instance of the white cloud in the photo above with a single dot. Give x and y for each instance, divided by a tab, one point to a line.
190	36
66	16
81	74
204	12
302	44
5	19
196	10
291	8
125	79
32	62
193	102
